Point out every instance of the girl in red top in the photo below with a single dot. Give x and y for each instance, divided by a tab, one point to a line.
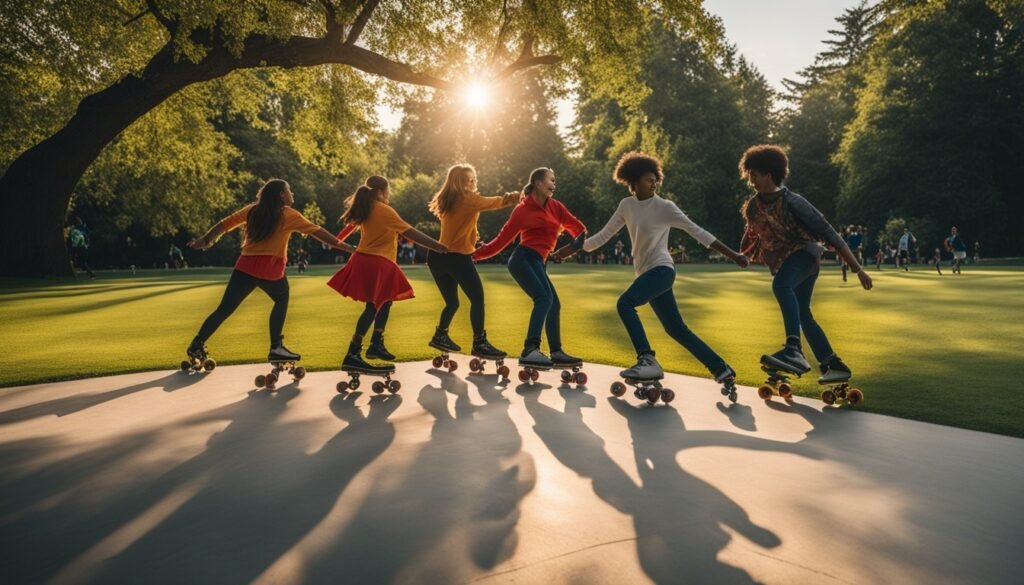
371	275
268	224
537	220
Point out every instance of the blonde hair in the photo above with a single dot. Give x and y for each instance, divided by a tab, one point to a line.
456	184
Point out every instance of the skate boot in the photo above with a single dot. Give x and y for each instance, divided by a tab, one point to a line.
834	371
789	359
483	349
560	359
280	353
354	362
198	358
442	342
197	349
646	368
377	350
532	357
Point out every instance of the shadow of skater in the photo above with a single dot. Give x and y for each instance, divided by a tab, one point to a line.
740	415
677	516
78	402
262	494
453	510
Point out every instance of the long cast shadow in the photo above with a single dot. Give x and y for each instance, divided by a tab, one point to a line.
677	516
457	502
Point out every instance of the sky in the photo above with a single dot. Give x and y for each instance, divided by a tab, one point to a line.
779	41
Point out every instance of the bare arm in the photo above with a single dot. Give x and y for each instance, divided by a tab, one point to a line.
328	238
205	241
422	239
855	267
740	259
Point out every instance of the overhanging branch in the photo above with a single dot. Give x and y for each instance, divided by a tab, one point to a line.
360	22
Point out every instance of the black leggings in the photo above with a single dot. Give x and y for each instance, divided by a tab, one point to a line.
239	286
372	315
452	271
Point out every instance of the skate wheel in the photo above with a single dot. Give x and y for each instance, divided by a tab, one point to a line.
354	384
209	364
185	366
534	374
378	387
453	365
667	395
828	397
765	392
581	378
854	396
438	362
503	371
652	395
261	380
785	390
725	391
342	387
299	373
618	388
566	376
394	386
271	379
475	365
524	376
732	396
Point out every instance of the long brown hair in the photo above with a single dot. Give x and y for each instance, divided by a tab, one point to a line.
263	218
455	185
359	204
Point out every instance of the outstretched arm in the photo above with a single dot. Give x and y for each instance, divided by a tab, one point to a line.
508	232
328	238
418	237
205	241
855	267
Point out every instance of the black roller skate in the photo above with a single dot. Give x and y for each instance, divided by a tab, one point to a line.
199	359
483	351
442	342
355	366
281	360
836	375
571	367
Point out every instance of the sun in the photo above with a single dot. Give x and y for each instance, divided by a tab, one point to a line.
476	96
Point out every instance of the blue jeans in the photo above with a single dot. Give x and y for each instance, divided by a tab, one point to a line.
527	268
793	286
655	287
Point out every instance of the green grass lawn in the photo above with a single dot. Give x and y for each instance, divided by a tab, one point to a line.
940	349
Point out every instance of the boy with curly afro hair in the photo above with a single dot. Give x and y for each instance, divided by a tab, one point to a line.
783	231
648	218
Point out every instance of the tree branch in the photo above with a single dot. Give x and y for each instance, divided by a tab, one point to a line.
169	24
501	35
360	22
527	59
333	26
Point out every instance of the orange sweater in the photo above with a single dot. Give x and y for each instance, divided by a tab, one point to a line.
379	231
458	226
277	243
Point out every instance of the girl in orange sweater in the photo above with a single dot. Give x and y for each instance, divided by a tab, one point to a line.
268	224
371	274
458	206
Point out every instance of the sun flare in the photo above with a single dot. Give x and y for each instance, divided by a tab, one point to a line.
476	96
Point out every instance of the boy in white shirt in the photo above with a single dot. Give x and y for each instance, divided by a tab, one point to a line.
648	218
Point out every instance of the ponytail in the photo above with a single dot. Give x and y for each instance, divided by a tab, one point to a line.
359	204
538	174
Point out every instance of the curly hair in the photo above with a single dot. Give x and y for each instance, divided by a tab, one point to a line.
634	165
766	158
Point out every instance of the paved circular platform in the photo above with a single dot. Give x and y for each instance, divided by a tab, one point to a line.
162	477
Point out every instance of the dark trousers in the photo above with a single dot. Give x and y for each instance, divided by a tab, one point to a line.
655	287
239	286
451	272
528	269
372	315
793	286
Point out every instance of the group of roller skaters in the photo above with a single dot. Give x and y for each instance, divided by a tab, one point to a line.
783	231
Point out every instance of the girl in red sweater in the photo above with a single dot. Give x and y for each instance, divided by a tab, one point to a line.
537	220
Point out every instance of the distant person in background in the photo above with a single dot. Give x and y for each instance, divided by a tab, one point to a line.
176	256
857	242
903	257
977	251
78	239
937	261
959	249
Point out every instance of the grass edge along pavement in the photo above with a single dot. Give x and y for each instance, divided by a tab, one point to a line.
922	346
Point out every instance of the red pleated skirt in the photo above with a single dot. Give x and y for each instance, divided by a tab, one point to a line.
373	279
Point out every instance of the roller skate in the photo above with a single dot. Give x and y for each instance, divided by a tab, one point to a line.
483	351
199	359
355	366
646	376
836	375
779	366
376	349
571	368
727	378
282	360
442	342
533	362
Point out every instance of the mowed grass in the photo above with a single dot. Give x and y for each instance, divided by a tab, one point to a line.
939	349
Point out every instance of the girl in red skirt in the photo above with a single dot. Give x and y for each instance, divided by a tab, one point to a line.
371	275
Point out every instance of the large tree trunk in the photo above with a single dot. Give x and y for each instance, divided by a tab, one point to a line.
36	189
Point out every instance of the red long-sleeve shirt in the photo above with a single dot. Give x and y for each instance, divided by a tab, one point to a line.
538	225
